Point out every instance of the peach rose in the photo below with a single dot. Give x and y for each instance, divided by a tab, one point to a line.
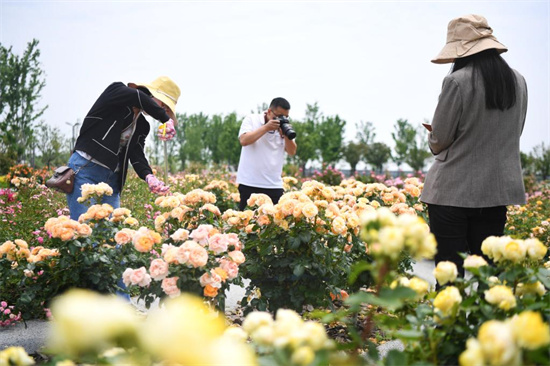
84	230
124	236
170	286
218	243
237	256
231	268
180	235
200	234
198	256
158	269
210	291
140	277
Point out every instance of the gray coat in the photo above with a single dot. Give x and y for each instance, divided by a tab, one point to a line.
477	155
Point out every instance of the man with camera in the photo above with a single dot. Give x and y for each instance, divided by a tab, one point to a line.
264	139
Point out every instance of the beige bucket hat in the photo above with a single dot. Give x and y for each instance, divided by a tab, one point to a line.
164	89
466	36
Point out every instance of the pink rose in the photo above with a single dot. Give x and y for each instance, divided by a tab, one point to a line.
200	234
170	286
126	276
140	277
233	240
158	269
218	243
211	278
180	235
237	256
230	267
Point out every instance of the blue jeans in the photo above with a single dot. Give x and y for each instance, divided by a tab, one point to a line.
92	173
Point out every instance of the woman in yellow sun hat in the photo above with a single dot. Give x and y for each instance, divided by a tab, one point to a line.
113	135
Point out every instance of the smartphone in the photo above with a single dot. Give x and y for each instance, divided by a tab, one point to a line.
427	126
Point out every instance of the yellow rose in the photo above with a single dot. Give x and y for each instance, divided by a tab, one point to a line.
445	272
514	251
183	320
85	321
15	356
498	344
535	288
303	356
502	296
255	320
420	286
474	261
447	300
392	241
472	355
530	330
535	249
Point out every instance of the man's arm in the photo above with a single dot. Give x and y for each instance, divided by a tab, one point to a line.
290	146
251	137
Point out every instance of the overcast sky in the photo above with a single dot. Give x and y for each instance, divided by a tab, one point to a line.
362	60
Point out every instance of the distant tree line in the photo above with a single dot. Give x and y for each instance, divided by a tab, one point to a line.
204	140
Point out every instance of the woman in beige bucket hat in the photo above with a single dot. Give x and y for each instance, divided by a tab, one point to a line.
475	135
113	135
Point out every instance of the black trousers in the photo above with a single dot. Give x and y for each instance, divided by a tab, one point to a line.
462	230
246	191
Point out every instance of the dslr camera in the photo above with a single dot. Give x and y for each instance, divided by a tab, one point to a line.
287	129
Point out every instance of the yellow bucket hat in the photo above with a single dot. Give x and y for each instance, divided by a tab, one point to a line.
164	89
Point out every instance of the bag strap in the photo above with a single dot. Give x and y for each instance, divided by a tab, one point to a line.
89	161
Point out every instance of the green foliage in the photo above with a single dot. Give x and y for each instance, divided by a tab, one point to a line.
377	154
352	153
306	136
223	145
328	175
52	146
403	137
418	150
541	160
365	132
331	138
21	81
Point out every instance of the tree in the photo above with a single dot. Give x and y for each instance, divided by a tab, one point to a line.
192	148
352	153
21	81
541	158
331	139
307	136
418	150
365	132
222	140
51	143
403	137
377	154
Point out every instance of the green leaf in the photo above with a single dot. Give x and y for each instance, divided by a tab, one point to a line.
298	270
356	270
388	298
544	278
294	243
396	358
409	334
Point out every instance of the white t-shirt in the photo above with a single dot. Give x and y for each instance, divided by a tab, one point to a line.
261	163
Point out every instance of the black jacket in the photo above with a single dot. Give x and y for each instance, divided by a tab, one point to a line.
111	113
